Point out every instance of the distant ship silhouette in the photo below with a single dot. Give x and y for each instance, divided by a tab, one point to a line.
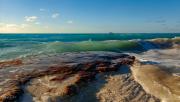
111	33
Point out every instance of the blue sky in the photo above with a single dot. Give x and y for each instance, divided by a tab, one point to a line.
89	16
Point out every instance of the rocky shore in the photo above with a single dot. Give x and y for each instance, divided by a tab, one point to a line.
71	77
161	82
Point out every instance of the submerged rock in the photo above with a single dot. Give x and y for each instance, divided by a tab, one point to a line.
15	62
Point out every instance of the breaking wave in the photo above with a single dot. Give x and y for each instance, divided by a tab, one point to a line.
9	50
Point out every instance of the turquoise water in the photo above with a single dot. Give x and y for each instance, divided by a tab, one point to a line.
22	45
82	37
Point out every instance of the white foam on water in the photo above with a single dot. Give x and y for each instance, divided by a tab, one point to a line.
165	57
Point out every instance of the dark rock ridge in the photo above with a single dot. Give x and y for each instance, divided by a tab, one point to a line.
79	68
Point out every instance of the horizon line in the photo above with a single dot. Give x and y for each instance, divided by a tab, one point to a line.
100	33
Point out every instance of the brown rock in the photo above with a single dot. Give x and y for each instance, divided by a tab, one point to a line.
15	62
86	75
60	78
126	61
89	66
11	95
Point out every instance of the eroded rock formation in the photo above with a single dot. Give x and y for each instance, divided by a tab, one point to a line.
53	78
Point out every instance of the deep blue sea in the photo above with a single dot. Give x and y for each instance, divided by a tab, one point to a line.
22	45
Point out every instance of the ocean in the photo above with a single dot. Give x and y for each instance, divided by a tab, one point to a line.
23	45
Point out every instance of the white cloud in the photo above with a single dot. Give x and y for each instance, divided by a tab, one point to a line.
55	15
37	23
11	25
70	22
8	27
31	18
41	9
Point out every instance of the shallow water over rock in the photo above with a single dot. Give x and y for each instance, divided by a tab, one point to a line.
50	72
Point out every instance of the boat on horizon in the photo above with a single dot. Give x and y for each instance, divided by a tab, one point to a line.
111	33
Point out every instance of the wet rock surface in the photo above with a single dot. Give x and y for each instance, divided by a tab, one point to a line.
56	77
161	83
123	88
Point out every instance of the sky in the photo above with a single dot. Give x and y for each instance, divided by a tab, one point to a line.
89	16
